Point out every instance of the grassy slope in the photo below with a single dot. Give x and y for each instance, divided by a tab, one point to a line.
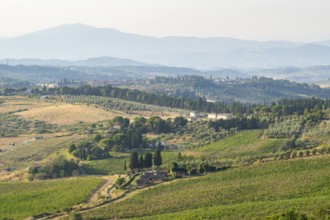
23	199
112	165
244	143
53	112
257	190
66	114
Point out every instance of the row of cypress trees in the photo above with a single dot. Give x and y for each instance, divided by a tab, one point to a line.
145	161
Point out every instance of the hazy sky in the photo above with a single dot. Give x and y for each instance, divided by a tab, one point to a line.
296	20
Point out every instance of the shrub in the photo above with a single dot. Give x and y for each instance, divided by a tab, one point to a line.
294	154
314	151
119	182
58	167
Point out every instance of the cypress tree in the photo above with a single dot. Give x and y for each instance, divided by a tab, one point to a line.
141	161
148	160
134	161
158	158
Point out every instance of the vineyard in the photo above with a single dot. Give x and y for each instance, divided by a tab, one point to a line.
20	200
255	191
245	143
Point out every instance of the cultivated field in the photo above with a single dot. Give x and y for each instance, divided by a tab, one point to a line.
34	151
20	200
54	112
244	143
66	114
254	191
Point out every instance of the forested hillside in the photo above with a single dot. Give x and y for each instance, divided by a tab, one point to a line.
246	90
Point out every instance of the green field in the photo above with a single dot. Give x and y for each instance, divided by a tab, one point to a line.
258	190
112	165
115	164
244	143
250	210
23	199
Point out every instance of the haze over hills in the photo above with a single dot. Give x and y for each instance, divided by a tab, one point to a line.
95	61
78	41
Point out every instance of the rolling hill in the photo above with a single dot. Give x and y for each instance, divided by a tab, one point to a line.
250	90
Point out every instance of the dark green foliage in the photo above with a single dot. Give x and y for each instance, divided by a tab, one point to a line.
119	182
196	104
206	167
89	150
72	148
158	158
134	161
174	166
201	168
148	160
158	125
119	120
251	90
97	138
122	135
58	167
141	161
290	106
241	123
180	121
289	215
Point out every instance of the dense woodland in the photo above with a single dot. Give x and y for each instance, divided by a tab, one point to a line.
119	134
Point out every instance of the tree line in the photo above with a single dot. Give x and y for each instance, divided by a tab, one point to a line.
241	123
197	104
145	161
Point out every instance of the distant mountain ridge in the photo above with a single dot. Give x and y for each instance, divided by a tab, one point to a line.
78	42
95	61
